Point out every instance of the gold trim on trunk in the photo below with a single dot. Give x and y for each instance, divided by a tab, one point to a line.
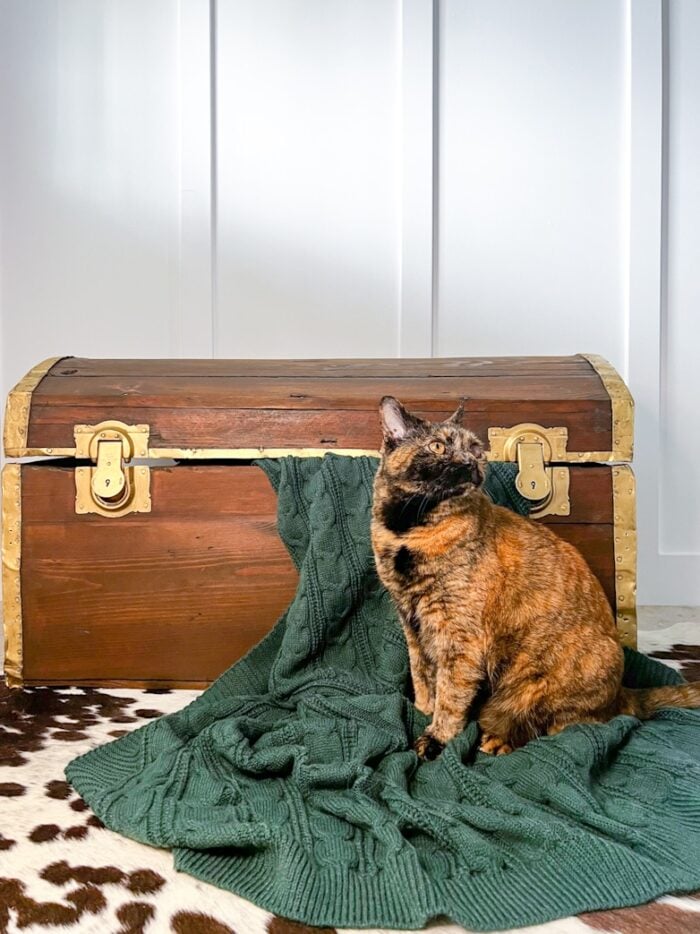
11	581
232	454
19	402
621	404
251	453
200	454
625	542
41	452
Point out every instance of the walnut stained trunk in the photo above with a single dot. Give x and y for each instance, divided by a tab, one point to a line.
172	587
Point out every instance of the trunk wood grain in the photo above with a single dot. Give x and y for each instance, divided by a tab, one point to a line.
172	598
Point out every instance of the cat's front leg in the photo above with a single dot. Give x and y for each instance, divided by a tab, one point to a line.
422	673
457	682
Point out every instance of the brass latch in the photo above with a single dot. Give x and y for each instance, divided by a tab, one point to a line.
112	487
534	448
533	480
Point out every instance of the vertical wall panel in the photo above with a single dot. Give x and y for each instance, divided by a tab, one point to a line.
193	317
308	178
419	108
645	247
680	373
531	206
88	179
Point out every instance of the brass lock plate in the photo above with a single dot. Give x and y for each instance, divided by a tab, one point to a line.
112	487
503	442
134	439
534	447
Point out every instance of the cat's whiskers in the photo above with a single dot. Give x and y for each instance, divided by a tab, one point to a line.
408	502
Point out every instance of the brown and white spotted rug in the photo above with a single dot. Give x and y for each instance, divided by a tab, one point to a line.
60	869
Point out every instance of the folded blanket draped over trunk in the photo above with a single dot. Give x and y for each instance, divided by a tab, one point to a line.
291	780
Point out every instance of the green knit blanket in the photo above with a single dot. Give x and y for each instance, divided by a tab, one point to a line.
291	780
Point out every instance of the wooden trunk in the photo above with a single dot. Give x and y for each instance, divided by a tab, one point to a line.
171	581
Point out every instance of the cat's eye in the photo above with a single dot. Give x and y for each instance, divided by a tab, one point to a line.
437	447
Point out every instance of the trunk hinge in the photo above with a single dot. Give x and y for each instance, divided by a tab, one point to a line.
112	487
535	448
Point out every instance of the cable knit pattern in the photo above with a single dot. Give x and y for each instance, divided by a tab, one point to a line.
291	781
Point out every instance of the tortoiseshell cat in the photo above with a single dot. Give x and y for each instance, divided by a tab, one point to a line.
490	600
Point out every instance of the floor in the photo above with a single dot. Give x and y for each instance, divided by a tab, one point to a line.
661	617
670	633
62	868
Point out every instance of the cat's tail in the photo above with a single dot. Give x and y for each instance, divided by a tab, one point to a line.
644	702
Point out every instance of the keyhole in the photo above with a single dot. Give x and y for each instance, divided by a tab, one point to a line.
533	484
107	481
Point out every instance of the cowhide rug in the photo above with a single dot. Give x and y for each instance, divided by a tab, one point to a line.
60	869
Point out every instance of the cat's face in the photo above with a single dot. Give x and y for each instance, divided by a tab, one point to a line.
429	455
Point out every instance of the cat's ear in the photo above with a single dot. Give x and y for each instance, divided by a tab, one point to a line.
396	421
456	417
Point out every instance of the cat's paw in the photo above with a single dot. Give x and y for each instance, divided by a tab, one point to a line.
428	747
494	745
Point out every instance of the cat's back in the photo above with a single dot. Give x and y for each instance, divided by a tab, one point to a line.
533	561
525	534
520	540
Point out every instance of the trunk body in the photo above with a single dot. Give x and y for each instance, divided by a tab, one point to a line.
170	582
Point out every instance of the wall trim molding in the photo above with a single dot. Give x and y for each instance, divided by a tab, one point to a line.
418	191
672	579
193	332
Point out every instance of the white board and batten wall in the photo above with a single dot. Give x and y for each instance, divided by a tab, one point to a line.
367	178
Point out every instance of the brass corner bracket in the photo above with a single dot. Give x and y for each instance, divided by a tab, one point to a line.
11	580
621	404
19	401
625	547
